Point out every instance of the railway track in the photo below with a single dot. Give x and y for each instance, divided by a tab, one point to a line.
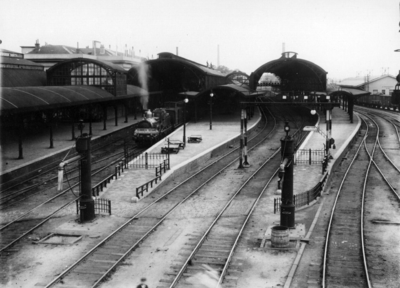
48	205
348	247
111	251
98	264
215	247
47	179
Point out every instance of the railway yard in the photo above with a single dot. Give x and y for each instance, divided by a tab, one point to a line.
210	222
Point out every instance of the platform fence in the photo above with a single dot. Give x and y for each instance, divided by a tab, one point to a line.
309	156
305	198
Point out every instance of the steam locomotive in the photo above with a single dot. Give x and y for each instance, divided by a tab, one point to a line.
156	125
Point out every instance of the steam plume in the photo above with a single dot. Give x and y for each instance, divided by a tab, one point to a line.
143	77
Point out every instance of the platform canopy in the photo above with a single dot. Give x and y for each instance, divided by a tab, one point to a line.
25	99
295	74
350	92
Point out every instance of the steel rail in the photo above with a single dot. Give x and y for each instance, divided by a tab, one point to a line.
225	269
324	262
71	267
38	225
206	233
387	158
371	156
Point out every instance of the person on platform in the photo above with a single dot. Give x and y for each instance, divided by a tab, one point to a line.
142	283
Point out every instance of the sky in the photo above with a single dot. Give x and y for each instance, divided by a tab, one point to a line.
347	38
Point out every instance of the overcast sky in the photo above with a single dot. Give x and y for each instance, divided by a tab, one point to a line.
345	37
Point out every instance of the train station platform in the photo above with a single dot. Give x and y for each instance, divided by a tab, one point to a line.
36	146
225	130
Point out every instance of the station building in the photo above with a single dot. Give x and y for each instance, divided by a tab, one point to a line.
49	55
382	85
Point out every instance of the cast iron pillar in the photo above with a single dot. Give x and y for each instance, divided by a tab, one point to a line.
287	206
245	163
86	200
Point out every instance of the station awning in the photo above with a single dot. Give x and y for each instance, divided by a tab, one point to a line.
25	99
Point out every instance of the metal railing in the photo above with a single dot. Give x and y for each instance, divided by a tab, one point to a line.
147	160
99	187
102	205
145	187
305	198
309	156
162	168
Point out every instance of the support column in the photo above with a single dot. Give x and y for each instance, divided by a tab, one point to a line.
20	135
351	105
90	120
241	140
86	203
134	107
246	163
116	114
327	132
105	117
126	111
73	130
50	118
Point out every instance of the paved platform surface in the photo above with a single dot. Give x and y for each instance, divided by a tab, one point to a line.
224	129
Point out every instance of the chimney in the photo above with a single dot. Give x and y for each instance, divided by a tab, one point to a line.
37	45
218	56
102	50
283	47
177	54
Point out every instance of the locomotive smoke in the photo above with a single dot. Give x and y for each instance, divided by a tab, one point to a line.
143	77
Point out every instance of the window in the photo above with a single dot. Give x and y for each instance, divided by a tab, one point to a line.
383	91
375	92
390	92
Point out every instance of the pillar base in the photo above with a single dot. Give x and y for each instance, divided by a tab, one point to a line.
86	207
287	215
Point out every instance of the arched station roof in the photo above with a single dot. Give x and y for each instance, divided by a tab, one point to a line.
83	71
25	99
295	74
103	63
171	72
239	78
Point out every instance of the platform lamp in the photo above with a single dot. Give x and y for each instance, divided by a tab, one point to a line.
286	169
211	96
184	121
305	98
287	129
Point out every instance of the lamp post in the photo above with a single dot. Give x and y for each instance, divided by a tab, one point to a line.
286	172
184	121
211	96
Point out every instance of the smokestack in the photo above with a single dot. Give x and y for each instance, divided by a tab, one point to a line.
102	50
37	45
177	51
283	47
218	56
